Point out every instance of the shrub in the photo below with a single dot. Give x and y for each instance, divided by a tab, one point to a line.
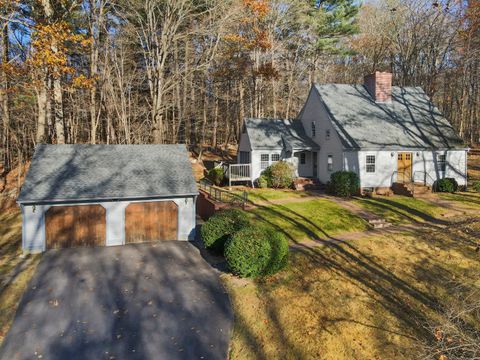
279	254
476	186
216	176
343	184
262	182
280	175
256	251
446	185
216	230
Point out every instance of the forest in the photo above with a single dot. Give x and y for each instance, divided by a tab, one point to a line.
190	71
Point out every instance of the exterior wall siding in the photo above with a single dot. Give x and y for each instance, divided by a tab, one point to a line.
33	226
314	111
423	162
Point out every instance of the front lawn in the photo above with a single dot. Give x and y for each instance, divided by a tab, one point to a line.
15	271
266	195
402	209
372	298
311	219
467	199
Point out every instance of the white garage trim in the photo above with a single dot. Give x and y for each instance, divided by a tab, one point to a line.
33	226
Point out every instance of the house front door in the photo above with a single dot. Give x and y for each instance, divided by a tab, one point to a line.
315	164
404	166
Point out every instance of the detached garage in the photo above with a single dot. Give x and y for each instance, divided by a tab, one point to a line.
102	195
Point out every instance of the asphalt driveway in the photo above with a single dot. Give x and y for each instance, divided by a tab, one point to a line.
146	301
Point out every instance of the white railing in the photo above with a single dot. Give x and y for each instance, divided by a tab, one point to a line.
239	172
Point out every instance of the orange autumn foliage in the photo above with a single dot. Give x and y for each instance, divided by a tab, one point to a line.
51	45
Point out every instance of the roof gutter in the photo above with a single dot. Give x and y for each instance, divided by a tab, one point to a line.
100	199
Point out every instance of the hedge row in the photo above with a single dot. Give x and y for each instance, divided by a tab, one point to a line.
250	250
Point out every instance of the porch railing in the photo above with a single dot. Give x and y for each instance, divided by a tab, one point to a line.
222	195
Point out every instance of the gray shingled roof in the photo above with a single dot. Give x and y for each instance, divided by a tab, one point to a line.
91	172
410	121
278	134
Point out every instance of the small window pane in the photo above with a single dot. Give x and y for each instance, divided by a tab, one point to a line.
370	163
330	163
442	162
275	157
314	130
302	158
264	161
327	134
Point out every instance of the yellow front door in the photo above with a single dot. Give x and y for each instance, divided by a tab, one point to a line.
404	167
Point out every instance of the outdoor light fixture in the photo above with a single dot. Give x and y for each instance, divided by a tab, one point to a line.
392	154
418	154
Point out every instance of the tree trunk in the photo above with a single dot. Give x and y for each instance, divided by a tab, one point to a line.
42	100
5	101
58	110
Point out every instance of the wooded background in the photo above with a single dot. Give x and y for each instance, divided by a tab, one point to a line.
189	71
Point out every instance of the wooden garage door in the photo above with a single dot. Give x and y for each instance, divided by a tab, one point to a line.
71	226
151	221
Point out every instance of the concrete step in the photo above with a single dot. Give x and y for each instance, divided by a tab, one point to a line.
379	223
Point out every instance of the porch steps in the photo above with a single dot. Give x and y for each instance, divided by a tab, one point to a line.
411	189
307	184
379	223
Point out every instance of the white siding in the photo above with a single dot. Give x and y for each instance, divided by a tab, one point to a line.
33	234
422	162
304	170
314	111
385	166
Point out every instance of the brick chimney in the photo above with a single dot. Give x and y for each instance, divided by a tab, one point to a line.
379	85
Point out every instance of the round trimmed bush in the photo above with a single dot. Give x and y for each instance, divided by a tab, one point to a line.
216	230
256	251
476	186
279	255
262	182
280	175
343	184
449	185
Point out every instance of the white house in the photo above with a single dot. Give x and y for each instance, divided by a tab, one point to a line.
86	195
386	134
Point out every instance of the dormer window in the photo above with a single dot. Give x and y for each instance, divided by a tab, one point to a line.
314	131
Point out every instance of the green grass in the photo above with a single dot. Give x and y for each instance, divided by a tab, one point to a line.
402	209
265	195
369	298
312	219
468	199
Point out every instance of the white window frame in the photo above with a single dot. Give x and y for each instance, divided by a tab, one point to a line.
367	163
329	164
264	163
442	164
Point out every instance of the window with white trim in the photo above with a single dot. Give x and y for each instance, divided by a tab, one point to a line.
303	159
327	134
264	161
314	130
370	163
275	157
442	162
330	163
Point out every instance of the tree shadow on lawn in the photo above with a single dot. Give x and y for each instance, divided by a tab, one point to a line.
404	211
397	295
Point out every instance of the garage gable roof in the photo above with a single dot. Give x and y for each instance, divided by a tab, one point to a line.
96	172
